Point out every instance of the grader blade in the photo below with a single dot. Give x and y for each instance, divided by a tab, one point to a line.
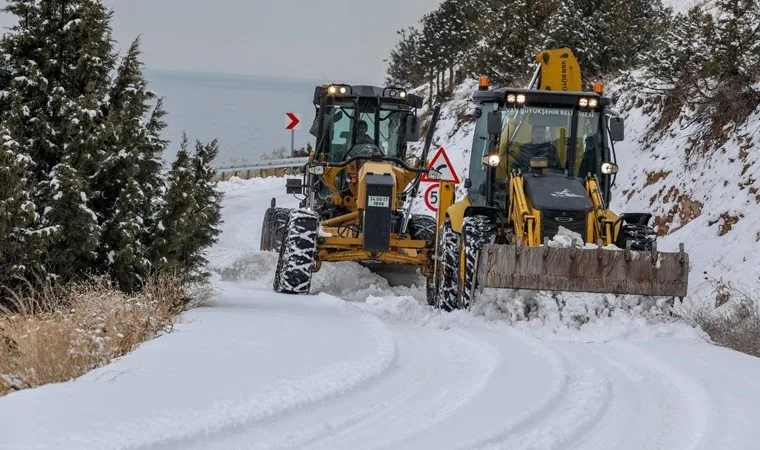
584	270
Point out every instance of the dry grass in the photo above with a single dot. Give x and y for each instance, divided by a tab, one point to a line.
735	321
59	334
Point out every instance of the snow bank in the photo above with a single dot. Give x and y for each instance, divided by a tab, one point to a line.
555	316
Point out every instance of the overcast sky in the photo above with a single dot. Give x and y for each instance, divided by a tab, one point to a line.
327	40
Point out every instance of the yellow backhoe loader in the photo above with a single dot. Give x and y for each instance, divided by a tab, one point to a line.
542	165
355	188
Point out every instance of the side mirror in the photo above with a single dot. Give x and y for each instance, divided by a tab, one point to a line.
494	122
327	120
415	101
617	129
412	129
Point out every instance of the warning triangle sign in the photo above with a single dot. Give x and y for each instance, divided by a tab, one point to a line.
442	164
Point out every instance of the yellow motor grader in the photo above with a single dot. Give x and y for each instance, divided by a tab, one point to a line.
355	189
542	165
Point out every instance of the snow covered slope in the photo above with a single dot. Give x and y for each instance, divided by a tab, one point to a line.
712	204
362	365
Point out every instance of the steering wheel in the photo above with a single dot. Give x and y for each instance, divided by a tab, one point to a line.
374	150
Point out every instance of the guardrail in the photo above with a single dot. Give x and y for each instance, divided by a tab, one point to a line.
266	164
258	168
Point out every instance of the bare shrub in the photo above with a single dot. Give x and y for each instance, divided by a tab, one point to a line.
61	333
734	322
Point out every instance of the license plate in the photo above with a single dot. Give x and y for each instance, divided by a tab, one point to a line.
374	201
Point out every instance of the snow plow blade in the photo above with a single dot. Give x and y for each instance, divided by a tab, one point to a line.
584	270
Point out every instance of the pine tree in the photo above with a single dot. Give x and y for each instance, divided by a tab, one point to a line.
208	202
150	175
568	28
679	61
735	62
59	57
404	66
129	181
21	243
175	222
189	224
511	39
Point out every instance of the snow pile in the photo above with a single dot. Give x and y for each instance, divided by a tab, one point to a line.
348	281
568	317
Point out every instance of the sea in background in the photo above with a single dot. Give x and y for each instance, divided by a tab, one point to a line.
246	113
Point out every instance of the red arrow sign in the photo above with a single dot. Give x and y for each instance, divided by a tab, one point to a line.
294	121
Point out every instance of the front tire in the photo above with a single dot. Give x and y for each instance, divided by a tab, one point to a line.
447	267
298	253
477	231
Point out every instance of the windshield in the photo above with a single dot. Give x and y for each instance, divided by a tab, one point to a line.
537	131
378	130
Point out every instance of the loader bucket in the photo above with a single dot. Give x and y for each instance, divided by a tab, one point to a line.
584	270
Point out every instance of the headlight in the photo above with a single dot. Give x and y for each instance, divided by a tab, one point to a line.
520	98
583	102
343	90
332	90
402	94
610	168
539	162
511	98
317	170
592	103
493	160
434	174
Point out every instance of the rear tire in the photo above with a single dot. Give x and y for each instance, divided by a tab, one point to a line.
278	227
297	254
447	268
273	228
477	231
266	230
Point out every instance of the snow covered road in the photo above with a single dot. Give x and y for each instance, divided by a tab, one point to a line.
363	365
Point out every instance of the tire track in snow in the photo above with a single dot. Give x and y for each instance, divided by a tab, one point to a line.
690	417
430	385
577	397
279	399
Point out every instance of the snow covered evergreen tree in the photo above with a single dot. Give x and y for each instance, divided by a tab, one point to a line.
735	62
678	63
175	221
59	56
510	41
208	217
22	245
189	224
130	182
82	156
404	66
